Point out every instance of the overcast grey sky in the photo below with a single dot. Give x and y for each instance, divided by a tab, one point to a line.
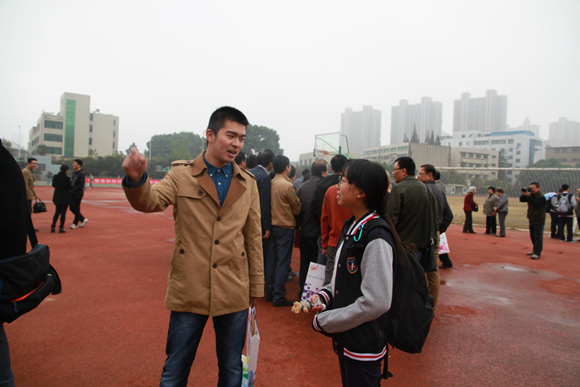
164	66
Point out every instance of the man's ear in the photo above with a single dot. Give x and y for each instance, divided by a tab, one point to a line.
210	135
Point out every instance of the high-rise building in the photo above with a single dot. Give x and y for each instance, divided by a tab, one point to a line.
487	114
425	117
362	129
75	131
564	133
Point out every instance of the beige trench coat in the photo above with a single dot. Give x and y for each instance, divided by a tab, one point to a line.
217	262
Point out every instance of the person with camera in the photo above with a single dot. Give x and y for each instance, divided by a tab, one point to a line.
536	216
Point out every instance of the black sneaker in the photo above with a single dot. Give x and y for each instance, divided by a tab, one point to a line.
51	228
283	302
269	298
61	231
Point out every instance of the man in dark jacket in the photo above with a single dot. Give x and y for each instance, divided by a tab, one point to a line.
413	211
336	164
426	175
261	172
536	216
309	225
78	190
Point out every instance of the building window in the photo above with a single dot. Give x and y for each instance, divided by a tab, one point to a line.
52	137
519	145
90	141
493	156
113	134
463	154
511	141
54	150
91	116
114	122
518	153
518	160
463	136
511	149
113	145
90	128
460	143
52	124
510	157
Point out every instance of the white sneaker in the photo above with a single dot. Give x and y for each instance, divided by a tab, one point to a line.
73	226
84	222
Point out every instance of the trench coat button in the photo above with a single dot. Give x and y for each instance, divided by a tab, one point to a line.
214	265
181	251
219	218
243	254
336	292
346	238
335	351
335	343
200	193
339	265
217	242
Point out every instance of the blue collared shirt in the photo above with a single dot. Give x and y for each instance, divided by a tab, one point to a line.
221	178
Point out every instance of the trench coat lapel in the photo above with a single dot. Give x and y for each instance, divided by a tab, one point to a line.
237	188
204	181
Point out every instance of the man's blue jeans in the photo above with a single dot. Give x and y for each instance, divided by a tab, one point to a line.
278	264
6	376
185	330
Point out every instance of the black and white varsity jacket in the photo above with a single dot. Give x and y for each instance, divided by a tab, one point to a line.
359	293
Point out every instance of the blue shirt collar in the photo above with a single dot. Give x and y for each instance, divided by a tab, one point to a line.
212	169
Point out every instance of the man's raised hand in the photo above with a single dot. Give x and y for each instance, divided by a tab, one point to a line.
134	165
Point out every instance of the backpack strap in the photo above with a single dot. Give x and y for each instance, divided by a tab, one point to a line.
31	233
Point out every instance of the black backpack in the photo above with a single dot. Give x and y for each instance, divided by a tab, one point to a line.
407	323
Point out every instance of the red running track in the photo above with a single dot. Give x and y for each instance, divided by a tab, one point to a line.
503	319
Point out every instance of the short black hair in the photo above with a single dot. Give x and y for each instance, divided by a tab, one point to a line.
64	168
265	157
535	183
406	163
437	175
79	162
226	113
565	187
292	171
305	171
281	162
319	166
337	162
429	169
240	157
500	190
31	159
491	188
251	161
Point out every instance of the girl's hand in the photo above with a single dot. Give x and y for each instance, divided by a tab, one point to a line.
317	305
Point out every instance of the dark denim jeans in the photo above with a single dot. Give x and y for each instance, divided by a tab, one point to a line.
185	330
6	376
279	260
566	224
537	236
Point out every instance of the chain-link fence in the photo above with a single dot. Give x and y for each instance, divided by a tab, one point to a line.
511	180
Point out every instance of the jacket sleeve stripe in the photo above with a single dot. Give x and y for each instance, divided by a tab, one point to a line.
365	356
325	297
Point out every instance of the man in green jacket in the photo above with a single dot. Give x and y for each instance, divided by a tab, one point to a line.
413	211
536	216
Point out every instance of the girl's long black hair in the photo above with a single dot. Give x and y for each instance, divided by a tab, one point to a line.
374	181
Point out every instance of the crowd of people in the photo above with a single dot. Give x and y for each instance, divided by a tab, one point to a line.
561	206
238	219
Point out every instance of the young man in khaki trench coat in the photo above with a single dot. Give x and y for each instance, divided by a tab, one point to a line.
216	268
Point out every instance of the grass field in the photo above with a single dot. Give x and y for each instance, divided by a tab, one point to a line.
516	218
